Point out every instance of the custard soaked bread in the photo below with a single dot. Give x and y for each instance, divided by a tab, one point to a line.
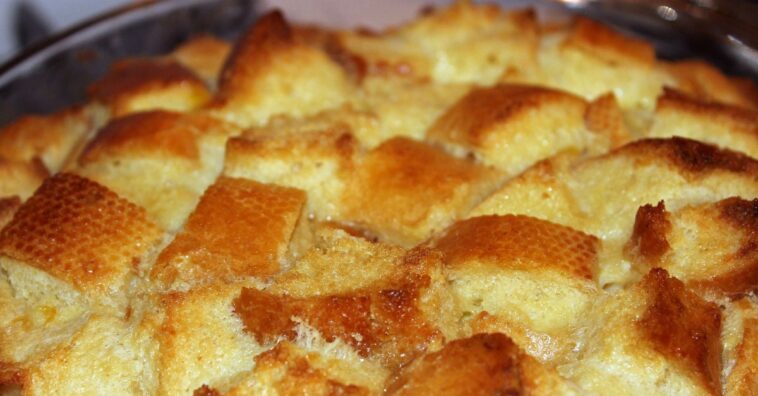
472	203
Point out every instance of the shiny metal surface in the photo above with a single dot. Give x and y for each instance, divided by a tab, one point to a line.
56	72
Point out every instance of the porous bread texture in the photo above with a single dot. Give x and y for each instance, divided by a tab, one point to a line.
135	85
182	153
240	228
406	190
657	337
513	126
270	73
527	277
710	246
677	114
474	202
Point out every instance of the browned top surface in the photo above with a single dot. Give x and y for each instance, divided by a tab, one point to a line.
604	116
253	51
32	135
239	228
737	118
130	76
690	156
161	133
80	232
335	142
485	364
706	82
742	277
648	239
520	242
204	54
400	182
382	321
8	207
299	376
613	47
475	115
683	328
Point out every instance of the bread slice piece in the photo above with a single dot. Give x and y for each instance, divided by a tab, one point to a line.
182	153
711	247
311	366
388	320
80	233
271	73
483	364
405	190
592	60
204	55
656	338
528	278
511	127
240	228
49	138
201	340
701	80
21	178
74	248
106	356
319	162
732	127
462	42
141	84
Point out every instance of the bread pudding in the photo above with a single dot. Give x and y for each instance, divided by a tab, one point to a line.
475	202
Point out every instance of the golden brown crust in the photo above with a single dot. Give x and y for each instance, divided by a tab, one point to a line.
130	84
743	216
605	117
386	324
704	81
600	40
471	120
683	328
484	364
206	390
691	157
743	379
520	242
300	377
383	321
80	232
270	72
47	138
270	33
400	184
153	132
240	228
21	177
738	119
204	55
8	206
648	240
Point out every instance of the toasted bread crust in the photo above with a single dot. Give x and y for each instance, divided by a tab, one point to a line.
649	235
520	242
683	327
130	82
239	228
81	233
